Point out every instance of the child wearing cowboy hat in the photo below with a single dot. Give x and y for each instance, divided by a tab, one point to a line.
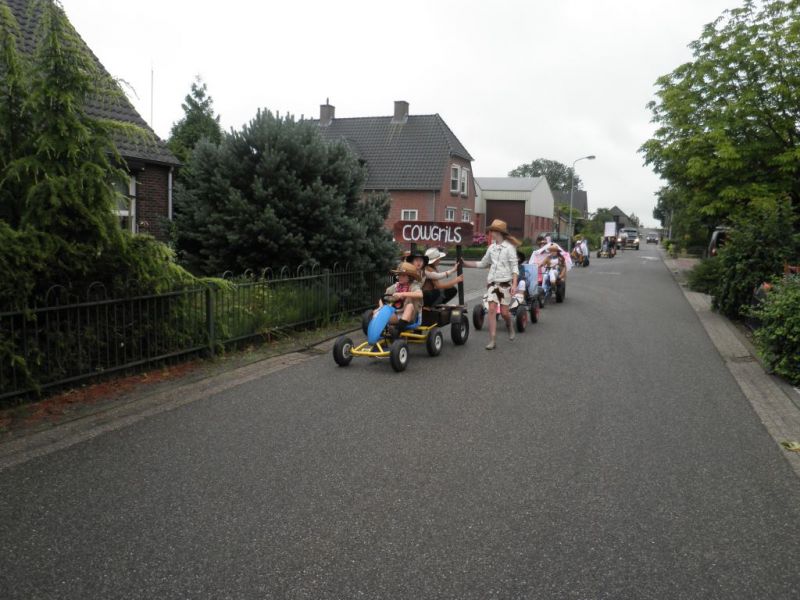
406	297
435	289
501	258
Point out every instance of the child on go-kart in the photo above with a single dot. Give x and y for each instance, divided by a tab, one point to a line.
553	268
406	298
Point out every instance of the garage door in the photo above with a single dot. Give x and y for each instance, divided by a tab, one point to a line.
510	211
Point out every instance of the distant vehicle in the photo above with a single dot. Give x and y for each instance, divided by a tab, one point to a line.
652	238
628	237
718	239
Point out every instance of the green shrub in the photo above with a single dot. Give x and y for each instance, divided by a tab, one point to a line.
778	338
761	241
706	275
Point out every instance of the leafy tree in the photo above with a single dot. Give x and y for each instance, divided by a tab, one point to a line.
593	228
727	135
558	175
275	193
198	123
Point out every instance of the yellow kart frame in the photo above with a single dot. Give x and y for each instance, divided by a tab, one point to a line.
428	333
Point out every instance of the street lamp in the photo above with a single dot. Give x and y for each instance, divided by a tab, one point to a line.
571	193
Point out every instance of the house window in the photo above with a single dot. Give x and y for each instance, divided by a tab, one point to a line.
455	177
464	181
466	215
449	214
126	203
409	215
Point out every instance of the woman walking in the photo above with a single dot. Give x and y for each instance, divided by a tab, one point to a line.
501	259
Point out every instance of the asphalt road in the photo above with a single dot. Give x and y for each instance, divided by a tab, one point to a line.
606	453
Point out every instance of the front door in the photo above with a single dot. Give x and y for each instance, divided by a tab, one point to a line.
510	211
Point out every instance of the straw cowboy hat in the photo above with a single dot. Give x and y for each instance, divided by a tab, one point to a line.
553	248
406	268
434	255
502	227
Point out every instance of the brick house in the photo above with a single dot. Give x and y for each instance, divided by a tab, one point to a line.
145	202
525	203
417	159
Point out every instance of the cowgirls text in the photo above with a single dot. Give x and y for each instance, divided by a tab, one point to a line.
432	232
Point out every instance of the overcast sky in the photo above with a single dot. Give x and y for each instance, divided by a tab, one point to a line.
515	80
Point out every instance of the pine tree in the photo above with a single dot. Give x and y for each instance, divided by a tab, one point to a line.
198	123
57	165
275	193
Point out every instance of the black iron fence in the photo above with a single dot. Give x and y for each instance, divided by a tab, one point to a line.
69	339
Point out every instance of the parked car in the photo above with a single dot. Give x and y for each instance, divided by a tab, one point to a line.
718	239
629	237
652	238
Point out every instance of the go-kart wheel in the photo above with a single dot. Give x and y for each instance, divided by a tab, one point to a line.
561	291
478	315
434	342
398	355
341	351
459	330
535	312
366	317
521	319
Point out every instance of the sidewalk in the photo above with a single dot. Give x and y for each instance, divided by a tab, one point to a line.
776	402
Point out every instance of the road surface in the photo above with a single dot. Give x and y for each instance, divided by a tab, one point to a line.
606	453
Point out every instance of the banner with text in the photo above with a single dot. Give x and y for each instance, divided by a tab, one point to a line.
433	233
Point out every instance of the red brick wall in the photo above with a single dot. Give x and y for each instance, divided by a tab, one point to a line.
535	225
152	200
423	201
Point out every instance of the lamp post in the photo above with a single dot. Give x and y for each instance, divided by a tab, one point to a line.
571	193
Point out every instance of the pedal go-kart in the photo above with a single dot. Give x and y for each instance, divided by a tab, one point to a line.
427	330
521	313
557	292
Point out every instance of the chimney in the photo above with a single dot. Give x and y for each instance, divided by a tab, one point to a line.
326	113
400	111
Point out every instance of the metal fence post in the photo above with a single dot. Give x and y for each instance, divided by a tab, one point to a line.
210	319
328	296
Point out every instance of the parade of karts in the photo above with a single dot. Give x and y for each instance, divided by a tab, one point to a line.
384	343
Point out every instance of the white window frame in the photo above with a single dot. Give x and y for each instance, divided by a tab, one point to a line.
130	213
464	181
450	213
455	176
466	215
406	214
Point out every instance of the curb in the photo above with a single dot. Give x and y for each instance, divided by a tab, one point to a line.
772	403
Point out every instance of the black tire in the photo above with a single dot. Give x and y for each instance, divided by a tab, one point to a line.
399	355
366	318
459	329
561	291
434	342
477	316
535	312
521	320
341	351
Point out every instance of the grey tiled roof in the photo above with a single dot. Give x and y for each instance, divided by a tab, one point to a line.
146	148
399	156
580	200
